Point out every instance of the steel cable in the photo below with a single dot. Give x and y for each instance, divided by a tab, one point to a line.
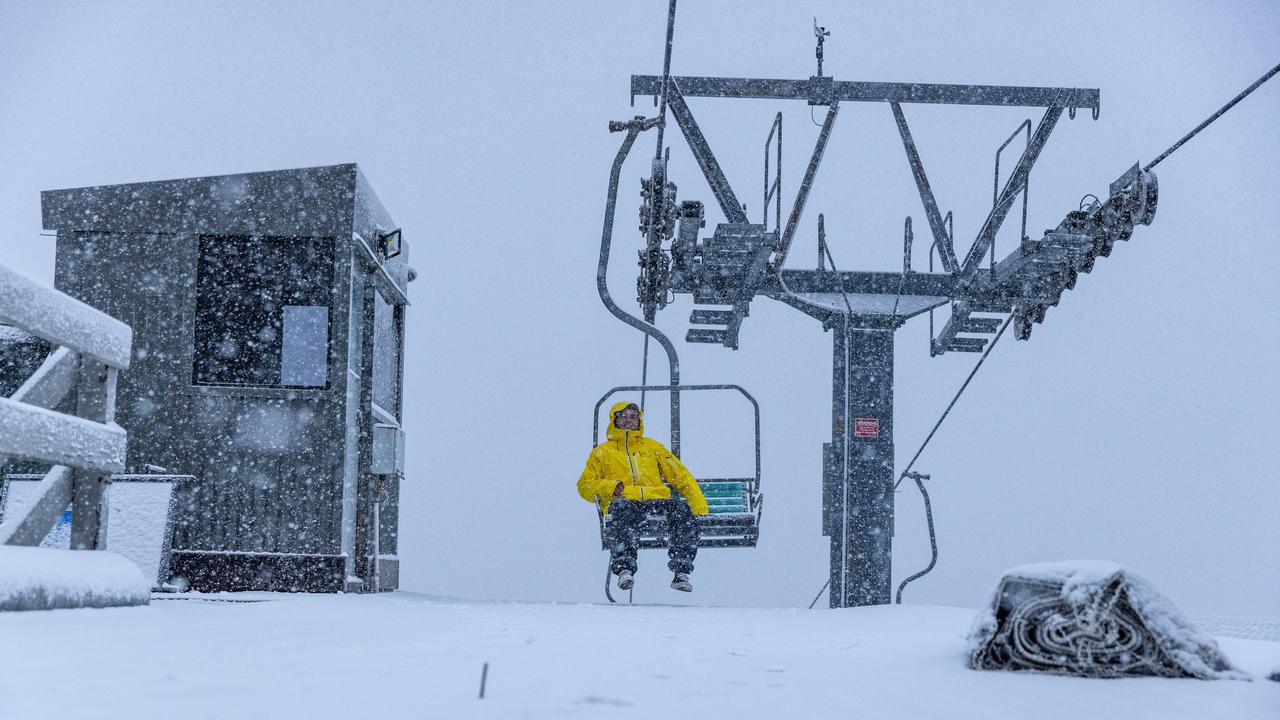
1257	83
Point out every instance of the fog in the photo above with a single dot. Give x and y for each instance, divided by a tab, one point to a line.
1136	425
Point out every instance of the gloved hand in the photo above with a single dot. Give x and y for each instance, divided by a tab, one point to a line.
617	491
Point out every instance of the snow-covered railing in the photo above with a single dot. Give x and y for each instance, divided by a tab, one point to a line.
85	448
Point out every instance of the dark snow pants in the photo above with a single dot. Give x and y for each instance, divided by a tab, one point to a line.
625	518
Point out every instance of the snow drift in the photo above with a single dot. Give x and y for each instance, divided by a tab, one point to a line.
46	579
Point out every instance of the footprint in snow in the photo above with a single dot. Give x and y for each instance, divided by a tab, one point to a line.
598	700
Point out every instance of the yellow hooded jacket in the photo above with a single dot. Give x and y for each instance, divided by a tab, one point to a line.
641	464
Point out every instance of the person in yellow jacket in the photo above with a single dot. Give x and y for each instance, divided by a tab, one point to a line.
631	476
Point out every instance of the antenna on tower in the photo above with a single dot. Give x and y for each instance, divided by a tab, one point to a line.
822	34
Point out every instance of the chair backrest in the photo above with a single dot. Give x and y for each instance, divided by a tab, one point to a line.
725	496
754	487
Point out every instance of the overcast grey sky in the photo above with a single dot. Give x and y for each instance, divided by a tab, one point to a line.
1136	425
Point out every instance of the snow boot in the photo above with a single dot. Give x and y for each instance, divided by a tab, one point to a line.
625	581
681	582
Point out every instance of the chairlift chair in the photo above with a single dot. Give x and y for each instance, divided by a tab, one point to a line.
734	504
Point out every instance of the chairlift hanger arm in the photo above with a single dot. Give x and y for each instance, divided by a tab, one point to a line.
633	128
854	91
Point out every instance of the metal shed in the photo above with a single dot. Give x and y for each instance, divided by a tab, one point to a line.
268	318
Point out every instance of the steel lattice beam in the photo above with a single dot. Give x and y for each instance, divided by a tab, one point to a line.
825	90
866	308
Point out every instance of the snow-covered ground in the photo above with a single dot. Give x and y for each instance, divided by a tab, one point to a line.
405	655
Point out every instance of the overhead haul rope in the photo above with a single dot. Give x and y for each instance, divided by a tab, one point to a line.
928	509
1213	117
952	404
1003	327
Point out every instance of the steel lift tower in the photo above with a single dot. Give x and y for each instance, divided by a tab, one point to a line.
742	260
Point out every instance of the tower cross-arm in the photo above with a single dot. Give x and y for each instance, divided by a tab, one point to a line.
857	91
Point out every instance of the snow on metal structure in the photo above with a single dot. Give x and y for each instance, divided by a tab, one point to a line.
269	316
139	522
85	448
742	259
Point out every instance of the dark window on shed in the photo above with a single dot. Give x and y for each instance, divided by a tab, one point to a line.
262	311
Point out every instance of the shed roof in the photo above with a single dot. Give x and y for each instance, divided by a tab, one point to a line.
304	201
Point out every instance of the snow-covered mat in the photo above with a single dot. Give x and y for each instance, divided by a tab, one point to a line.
1094	619
33	578
403	655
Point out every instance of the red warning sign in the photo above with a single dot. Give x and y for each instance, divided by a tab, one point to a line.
866	427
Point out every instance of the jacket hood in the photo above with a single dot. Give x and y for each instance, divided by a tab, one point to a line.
616	433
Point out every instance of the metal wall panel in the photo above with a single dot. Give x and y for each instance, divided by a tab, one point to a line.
271	463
